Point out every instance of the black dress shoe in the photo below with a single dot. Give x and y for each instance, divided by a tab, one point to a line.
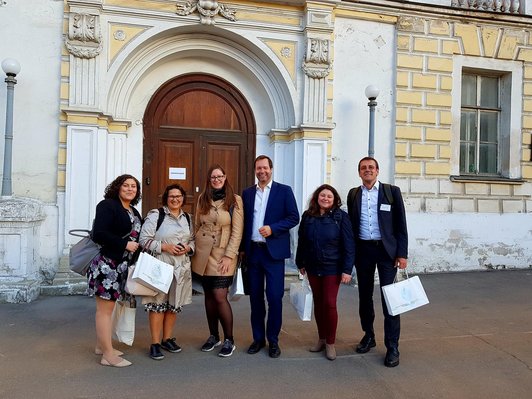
366	343
256	346
392	358
274	350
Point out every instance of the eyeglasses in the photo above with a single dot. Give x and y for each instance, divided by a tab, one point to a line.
175	197
219	178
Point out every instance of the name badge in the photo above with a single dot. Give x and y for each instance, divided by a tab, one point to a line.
386	207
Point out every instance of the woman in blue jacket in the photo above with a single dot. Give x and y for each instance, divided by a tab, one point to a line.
326	253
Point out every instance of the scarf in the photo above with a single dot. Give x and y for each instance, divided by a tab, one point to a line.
218	194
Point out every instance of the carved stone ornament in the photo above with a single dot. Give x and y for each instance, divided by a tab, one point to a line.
316	72
207	10
84	35
317	63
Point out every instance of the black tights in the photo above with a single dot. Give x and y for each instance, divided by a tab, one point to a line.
218	309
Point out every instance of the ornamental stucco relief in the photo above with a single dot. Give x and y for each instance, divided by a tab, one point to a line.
317	63
207	10
84	35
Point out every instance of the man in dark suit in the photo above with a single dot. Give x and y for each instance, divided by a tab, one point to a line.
270	211
378	217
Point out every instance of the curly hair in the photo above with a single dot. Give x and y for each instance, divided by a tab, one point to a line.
314	207
112	190
174	187
204	202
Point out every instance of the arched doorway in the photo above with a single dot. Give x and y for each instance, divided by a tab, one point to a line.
191	122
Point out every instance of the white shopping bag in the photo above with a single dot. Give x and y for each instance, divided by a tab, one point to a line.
124	322
153	273
236	291
301	299
404	295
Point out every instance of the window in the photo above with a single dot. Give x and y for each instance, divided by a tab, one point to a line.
486	119
479	125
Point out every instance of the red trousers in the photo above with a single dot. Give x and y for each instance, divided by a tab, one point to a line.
325	292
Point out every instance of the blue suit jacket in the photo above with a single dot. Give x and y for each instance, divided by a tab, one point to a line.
281	215
392	224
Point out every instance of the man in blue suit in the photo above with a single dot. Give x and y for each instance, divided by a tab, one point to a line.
270	211
378	217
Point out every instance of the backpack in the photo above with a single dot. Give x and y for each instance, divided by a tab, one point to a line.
162	215
387	192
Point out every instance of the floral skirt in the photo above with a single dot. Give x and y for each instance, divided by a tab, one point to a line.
107	279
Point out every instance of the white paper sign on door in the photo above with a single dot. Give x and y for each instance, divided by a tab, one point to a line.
177	174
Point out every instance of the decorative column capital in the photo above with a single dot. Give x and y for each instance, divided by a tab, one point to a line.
317	63
84	38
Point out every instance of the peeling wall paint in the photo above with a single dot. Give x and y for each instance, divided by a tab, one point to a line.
460	242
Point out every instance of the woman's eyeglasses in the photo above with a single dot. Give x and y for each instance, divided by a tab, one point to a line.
175	197
219	178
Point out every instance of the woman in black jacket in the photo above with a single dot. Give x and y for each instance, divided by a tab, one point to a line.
116	228
326	253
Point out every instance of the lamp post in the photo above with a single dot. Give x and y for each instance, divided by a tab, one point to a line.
372	93
11	68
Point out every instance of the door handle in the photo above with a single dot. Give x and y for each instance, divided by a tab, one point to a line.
148	181
197	189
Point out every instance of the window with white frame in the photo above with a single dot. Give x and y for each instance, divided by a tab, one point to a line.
487	108
480	125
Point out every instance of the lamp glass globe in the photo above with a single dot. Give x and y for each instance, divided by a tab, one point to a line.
11	66
372	92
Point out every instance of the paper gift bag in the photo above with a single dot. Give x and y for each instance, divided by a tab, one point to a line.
124	322
301	299
134	287
153	273
237	288
404	295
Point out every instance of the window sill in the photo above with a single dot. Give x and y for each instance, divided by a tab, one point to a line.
486	179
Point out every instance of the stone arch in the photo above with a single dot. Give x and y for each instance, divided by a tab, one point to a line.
245	64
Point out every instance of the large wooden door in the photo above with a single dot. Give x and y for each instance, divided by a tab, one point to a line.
191	123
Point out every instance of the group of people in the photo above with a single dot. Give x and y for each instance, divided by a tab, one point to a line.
254	228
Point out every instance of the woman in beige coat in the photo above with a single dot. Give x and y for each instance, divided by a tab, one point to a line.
167	233
219	222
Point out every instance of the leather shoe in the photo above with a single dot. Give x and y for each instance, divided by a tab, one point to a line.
256	346
392	358
121	363
366	343
274	350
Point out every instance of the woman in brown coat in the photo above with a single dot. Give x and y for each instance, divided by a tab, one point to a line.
219	222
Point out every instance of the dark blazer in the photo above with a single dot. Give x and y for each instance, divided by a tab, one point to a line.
392	224
111	224
326	246
281	215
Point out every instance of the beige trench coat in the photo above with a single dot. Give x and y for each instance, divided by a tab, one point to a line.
217	235
173	230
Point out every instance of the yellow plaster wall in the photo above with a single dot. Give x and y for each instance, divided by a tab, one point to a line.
116	45
424	81
285	51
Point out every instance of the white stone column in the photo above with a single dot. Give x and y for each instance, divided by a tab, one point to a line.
315	132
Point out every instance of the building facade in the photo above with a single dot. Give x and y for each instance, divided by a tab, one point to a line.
163	88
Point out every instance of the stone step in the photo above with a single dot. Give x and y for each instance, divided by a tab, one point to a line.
19	292
65	281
